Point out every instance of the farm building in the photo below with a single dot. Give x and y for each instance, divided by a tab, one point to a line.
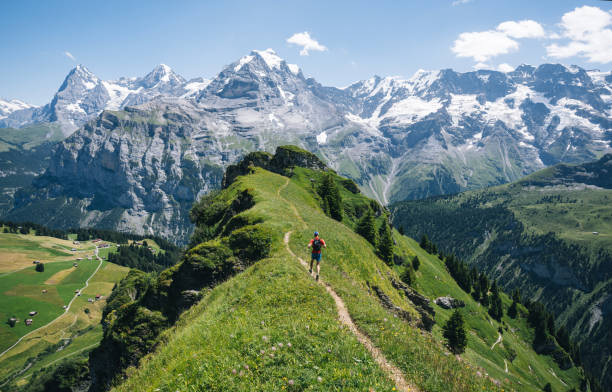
73	250
90	299
28	322
36	262
75	242
75	265
33	313
44	291
79	258
76	291
98	296
96	240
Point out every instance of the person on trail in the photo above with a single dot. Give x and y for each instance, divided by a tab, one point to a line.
316	244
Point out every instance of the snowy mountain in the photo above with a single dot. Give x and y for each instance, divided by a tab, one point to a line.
438	132
8	107
82	96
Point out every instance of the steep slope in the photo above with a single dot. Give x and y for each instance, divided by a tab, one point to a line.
548	234
436	133
264	324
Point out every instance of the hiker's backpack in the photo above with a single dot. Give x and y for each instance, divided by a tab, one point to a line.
316	245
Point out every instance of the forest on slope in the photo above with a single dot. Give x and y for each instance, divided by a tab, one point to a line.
549	235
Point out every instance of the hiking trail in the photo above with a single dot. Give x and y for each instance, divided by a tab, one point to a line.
345	318
393	372
499	339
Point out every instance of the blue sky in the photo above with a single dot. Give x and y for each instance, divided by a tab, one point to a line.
359	38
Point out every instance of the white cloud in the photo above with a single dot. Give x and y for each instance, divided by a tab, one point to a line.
589	33
306	42
69	55
478	66
483	45
459	2
522	29
505	67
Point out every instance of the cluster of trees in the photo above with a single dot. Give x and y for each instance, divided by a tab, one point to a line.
140	257
471	281
381	239
28	227
330	197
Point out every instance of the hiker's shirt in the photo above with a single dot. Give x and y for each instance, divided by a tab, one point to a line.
322	242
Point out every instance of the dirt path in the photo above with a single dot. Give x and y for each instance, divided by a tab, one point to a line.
499	339
58	317
345	318
506	364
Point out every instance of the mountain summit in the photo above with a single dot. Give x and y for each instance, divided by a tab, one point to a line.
435	133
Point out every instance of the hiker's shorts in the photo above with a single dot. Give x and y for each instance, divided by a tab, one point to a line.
316	257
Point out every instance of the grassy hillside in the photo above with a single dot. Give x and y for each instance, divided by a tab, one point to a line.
549	235
55	333
272	327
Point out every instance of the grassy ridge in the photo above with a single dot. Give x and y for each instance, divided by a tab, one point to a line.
276	299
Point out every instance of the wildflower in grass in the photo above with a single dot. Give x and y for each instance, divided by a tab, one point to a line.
246	367
319	379
234	371
291	382
280	345
329	350
271	355
289	344
241	373
262	352
265	338
273	348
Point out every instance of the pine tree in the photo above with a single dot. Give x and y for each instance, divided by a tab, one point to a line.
496	310
512	310
408	276
385	243
416	263
366	227
401	230
425	244
330	197
547	388
454	332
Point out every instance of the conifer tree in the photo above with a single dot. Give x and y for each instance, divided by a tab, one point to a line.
366	227
416	263
512	310
385	243
408	276
330	195
454	332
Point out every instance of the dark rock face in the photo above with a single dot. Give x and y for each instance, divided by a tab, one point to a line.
421	303
449	302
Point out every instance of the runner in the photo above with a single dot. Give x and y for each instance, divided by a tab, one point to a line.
316	244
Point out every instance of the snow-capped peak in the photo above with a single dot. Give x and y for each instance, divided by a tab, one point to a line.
8	107
161	74
270	57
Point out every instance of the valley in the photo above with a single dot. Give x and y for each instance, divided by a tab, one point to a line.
547	235
65	323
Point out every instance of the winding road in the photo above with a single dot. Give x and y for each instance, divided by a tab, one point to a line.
58	317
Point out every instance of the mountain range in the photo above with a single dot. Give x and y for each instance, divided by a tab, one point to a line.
146	148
